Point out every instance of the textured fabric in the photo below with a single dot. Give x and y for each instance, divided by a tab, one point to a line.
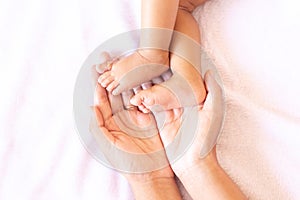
254	45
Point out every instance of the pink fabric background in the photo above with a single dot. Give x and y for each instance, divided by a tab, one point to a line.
43	44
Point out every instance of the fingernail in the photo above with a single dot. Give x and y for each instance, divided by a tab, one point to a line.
157	80
167	75
137	89
146	85
114	92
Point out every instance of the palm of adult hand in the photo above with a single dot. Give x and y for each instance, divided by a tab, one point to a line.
126	152
119	138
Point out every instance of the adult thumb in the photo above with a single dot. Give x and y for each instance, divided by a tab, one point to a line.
215	105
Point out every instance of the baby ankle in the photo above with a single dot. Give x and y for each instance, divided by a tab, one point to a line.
155	55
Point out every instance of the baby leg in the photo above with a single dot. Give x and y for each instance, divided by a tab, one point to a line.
185	87
158	20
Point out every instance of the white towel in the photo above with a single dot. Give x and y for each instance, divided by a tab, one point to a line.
255	45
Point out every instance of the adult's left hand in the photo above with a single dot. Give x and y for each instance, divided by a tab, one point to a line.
123	148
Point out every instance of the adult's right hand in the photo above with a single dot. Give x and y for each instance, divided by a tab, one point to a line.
210	118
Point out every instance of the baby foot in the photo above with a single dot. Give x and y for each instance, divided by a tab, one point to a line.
135	69
156	98
185	88
176	92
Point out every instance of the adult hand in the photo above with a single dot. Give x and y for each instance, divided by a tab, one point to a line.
128	139
122	148
210	117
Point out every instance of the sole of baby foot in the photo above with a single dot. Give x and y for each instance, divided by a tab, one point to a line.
156	96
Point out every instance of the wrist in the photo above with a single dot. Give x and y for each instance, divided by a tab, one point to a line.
136	178
197	165
156	185
155	55
156	188
207	172
151	183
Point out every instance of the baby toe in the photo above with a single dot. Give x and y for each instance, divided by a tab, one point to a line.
103	76
112	86
107	81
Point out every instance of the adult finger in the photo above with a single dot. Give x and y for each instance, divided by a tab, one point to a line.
97	127
215	97
101	101
215	105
